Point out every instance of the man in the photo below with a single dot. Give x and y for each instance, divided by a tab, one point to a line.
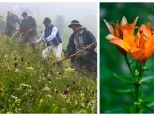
11	21
27	29
52	38
80	39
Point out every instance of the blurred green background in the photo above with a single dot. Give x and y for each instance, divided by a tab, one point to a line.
111	60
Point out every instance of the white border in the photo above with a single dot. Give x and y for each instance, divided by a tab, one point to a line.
98	58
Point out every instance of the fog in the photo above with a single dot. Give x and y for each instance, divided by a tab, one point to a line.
86	13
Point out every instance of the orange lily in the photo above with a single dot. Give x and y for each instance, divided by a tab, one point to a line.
140	46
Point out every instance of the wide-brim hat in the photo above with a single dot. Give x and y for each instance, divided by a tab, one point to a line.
24	13
75	23
47	21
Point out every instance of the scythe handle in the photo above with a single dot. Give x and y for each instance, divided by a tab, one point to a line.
77	52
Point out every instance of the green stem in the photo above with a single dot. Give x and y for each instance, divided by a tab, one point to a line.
137	87
128	64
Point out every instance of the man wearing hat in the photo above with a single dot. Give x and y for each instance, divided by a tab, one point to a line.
53	40
11	21
79	39
27	29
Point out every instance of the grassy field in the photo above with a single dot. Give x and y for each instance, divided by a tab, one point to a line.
28	86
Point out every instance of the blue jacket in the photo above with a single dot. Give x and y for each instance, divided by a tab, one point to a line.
57	40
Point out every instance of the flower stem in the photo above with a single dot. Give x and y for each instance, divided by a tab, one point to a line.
137	87
128	64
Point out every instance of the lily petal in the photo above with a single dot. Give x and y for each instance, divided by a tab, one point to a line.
109	27
147	53
123	21
135	21
119	42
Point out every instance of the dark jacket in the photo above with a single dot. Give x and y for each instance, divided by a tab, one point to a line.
88	39
28	24
11	21
57	40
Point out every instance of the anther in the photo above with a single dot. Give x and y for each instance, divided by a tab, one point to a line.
140	31
117	23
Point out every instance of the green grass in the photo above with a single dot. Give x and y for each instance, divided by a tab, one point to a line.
21	87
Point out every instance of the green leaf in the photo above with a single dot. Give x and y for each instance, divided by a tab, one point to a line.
151	104
125	91
150	78
148	99
117	110
126	79
121	86
148	84
147	108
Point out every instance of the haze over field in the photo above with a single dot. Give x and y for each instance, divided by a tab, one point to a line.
86	13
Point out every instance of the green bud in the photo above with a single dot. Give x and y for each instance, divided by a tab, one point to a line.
140	100
140	82
135	103
136	72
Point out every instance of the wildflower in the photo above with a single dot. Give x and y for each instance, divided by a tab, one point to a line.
25	85
41	101
16	70
76	102
17	101
139	46
46	89
14	97
87	101
48	96
30	68
66	92
1	90
6	56
68	100
55	91
15	64
69	69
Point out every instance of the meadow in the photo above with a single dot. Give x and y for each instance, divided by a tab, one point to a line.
28	86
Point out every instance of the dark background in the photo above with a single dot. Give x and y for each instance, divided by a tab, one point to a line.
111	60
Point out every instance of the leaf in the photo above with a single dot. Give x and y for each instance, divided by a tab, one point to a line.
148	84
120	86
151	104
147	78
125	91
117	110
126	79
147	108
148	99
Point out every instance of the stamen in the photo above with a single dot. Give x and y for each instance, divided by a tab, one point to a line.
149	21
137	41
145	38
117	23
140	31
